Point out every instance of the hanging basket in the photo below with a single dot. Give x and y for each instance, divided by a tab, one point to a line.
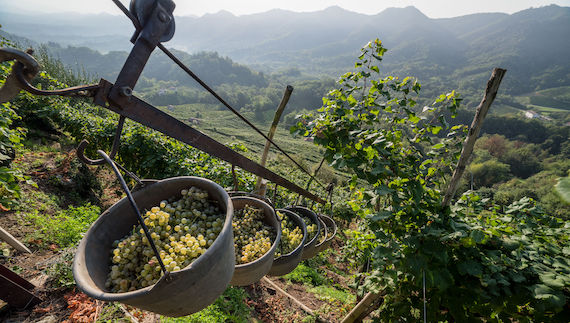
249	273
320	246
331	230
179	293
286	263
309	249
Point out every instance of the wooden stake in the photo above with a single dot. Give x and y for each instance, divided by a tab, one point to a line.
278	113
368	304
296	301
6	236
482	109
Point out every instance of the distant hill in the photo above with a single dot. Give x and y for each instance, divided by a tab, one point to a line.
445	53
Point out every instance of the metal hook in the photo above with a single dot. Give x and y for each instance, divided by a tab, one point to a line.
12	86
116	143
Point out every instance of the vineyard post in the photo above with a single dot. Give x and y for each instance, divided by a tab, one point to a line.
15	243
278	113
476	125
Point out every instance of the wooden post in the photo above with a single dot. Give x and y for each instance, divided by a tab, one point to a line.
296	301
368	304
6	236
278	113
482	109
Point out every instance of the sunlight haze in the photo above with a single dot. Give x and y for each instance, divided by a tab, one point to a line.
431	8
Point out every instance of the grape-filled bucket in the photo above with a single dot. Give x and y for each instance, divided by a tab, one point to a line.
287	262
182	292
320	246
331	230
251	272
309	249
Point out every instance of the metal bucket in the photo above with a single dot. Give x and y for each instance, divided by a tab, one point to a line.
309	249
331	227
181	293
286	263
249	273
322	237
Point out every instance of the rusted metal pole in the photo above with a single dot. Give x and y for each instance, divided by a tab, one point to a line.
482	109
272	129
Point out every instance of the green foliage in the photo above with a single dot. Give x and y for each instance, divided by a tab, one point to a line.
61	272
563	188
331	294
489	172
65	228
229	307
478	262
10	140
305	275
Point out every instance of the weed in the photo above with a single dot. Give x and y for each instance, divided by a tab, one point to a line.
112	313
306	275
331	294
66	227
4	250
61	273
230	307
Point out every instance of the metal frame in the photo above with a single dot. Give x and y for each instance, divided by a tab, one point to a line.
118	97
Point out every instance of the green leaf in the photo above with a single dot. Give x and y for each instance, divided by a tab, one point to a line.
552	280
563	189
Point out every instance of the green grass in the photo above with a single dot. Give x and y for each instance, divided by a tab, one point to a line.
230	307
65	227
539	108
331	294
304	274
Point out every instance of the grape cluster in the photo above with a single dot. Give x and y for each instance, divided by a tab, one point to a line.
311	228
182	230
330	232
323	237
291	236
252	237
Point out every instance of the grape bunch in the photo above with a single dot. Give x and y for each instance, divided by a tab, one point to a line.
182	230
291	236
323	237
311	228
330	232
252	237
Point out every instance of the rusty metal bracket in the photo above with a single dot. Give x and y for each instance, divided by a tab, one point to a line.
147	115
15	290
115	148
29	69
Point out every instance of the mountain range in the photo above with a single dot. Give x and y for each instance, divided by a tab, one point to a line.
533	44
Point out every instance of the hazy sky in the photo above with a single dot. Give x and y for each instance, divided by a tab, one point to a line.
432	8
